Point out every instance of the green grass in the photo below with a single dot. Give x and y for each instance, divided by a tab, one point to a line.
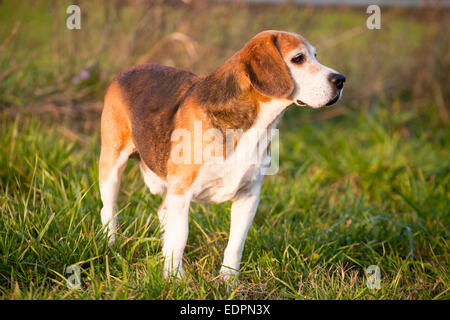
367	188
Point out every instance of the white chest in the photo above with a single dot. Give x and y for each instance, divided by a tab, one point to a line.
222	180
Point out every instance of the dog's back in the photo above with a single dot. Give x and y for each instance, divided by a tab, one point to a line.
150	95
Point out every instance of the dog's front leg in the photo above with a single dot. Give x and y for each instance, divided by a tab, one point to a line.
173	215
243	210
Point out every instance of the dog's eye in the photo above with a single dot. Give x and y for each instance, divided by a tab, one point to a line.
298	59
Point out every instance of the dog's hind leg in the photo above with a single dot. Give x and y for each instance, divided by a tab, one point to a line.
117	146
111	168
173	215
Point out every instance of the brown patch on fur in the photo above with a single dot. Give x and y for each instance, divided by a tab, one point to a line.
182	175
115	131
288	41
261	61
153	94
225	96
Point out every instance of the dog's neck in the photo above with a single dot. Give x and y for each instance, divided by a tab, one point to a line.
232	103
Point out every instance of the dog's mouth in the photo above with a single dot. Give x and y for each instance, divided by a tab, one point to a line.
333	101
329	103
301	103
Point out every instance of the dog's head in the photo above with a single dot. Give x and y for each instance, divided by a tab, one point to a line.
284	65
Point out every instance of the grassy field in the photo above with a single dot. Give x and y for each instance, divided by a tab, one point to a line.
363	183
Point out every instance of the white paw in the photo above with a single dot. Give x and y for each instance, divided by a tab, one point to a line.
177	273
227	274
111	240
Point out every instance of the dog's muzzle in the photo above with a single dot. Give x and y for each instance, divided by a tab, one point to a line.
336	98
337	80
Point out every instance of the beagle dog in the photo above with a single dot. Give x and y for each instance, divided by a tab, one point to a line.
190	130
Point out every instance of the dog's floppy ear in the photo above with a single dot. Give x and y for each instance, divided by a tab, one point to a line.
261	62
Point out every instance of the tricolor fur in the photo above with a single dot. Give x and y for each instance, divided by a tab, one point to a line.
150	109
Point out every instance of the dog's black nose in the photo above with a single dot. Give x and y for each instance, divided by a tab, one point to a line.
338	79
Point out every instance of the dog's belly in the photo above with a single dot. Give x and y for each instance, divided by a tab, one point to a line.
154	183
218	183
